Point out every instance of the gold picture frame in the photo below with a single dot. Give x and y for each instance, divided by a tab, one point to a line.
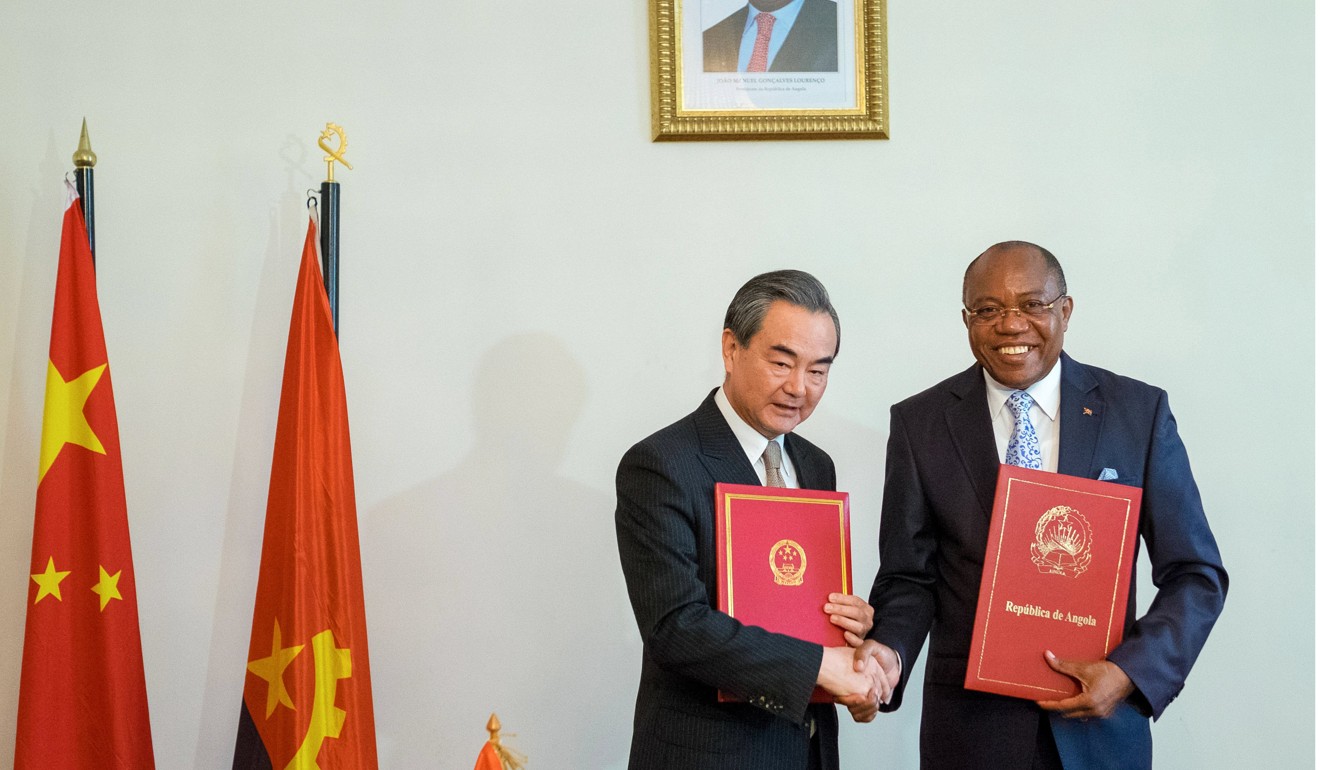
697	94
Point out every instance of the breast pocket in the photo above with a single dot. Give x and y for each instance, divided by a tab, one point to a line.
1117	476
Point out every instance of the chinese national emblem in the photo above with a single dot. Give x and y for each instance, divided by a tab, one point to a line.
788	563
1063	542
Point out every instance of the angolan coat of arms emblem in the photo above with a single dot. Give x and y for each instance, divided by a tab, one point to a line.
1063	542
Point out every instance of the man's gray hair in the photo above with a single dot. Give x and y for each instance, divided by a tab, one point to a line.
747	311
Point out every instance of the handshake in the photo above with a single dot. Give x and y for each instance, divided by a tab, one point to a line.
862	676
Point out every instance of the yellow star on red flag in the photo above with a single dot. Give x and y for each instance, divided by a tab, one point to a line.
271	669
48	582
64	421
108	587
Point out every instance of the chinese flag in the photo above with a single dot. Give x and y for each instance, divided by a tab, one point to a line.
82	699
307	698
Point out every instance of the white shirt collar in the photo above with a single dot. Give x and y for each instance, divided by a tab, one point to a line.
1047	392
788	13
752	442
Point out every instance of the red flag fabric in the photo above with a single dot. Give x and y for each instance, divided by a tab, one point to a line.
307	698
489	758
82	699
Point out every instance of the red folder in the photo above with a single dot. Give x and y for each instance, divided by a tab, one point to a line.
1058	565
779	554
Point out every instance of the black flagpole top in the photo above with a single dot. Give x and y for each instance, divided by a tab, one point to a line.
330	216
83	161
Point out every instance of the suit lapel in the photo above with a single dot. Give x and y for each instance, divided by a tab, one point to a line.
726	460
721	453
791	56
973	435
724	40
808	474
1081	411
811	44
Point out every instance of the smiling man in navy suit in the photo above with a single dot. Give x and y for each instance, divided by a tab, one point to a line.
945	447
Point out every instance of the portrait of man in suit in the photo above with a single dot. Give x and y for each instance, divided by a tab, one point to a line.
780	338
1027	402
774	36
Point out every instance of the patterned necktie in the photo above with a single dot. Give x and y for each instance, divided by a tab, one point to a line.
1023	444
761	50
773	462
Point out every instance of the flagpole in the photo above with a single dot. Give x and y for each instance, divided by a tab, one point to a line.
83	161
330	217
330	246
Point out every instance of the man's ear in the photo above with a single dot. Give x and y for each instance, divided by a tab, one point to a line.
728	344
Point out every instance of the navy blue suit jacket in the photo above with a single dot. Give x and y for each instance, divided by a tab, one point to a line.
665	523
812	44
940	476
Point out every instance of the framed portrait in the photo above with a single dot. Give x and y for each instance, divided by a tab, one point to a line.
768	69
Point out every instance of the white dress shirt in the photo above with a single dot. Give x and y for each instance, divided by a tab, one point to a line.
1044	414
754	444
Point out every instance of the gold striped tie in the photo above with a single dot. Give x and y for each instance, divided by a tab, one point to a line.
773	460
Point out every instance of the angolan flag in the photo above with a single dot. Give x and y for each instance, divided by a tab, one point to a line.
307	698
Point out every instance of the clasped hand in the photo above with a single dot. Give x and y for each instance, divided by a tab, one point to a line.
881	666
872	669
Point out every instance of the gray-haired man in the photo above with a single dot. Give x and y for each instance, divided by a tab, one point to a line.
781	336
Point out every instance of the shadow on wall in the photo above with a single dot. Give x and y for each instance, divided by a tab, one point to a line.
496	586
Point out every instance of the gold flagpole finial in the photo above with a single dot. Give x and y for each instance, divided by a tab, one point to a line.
511	759
333	153
84	157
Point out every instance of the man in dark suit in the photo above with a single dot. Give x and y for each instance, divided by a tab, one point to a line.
781	335
811	42
945	447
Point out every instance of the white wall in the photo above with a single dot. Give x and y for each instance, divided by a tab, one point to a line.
529	286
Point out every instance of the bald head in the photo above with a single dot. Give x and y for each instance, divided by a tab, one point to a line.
1052	266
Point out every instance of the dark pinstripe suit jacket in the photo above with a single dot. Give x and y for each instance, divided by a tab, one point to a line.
665	522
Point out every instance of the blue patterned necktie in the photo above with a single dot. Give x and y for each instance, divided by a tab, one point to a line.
1023	444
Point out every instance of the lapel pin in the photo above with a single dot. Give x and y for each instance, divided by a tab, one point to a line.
1086	410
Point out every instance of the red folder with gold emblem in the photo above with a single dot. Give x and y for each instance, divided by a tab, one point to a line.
1058	565
780	553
